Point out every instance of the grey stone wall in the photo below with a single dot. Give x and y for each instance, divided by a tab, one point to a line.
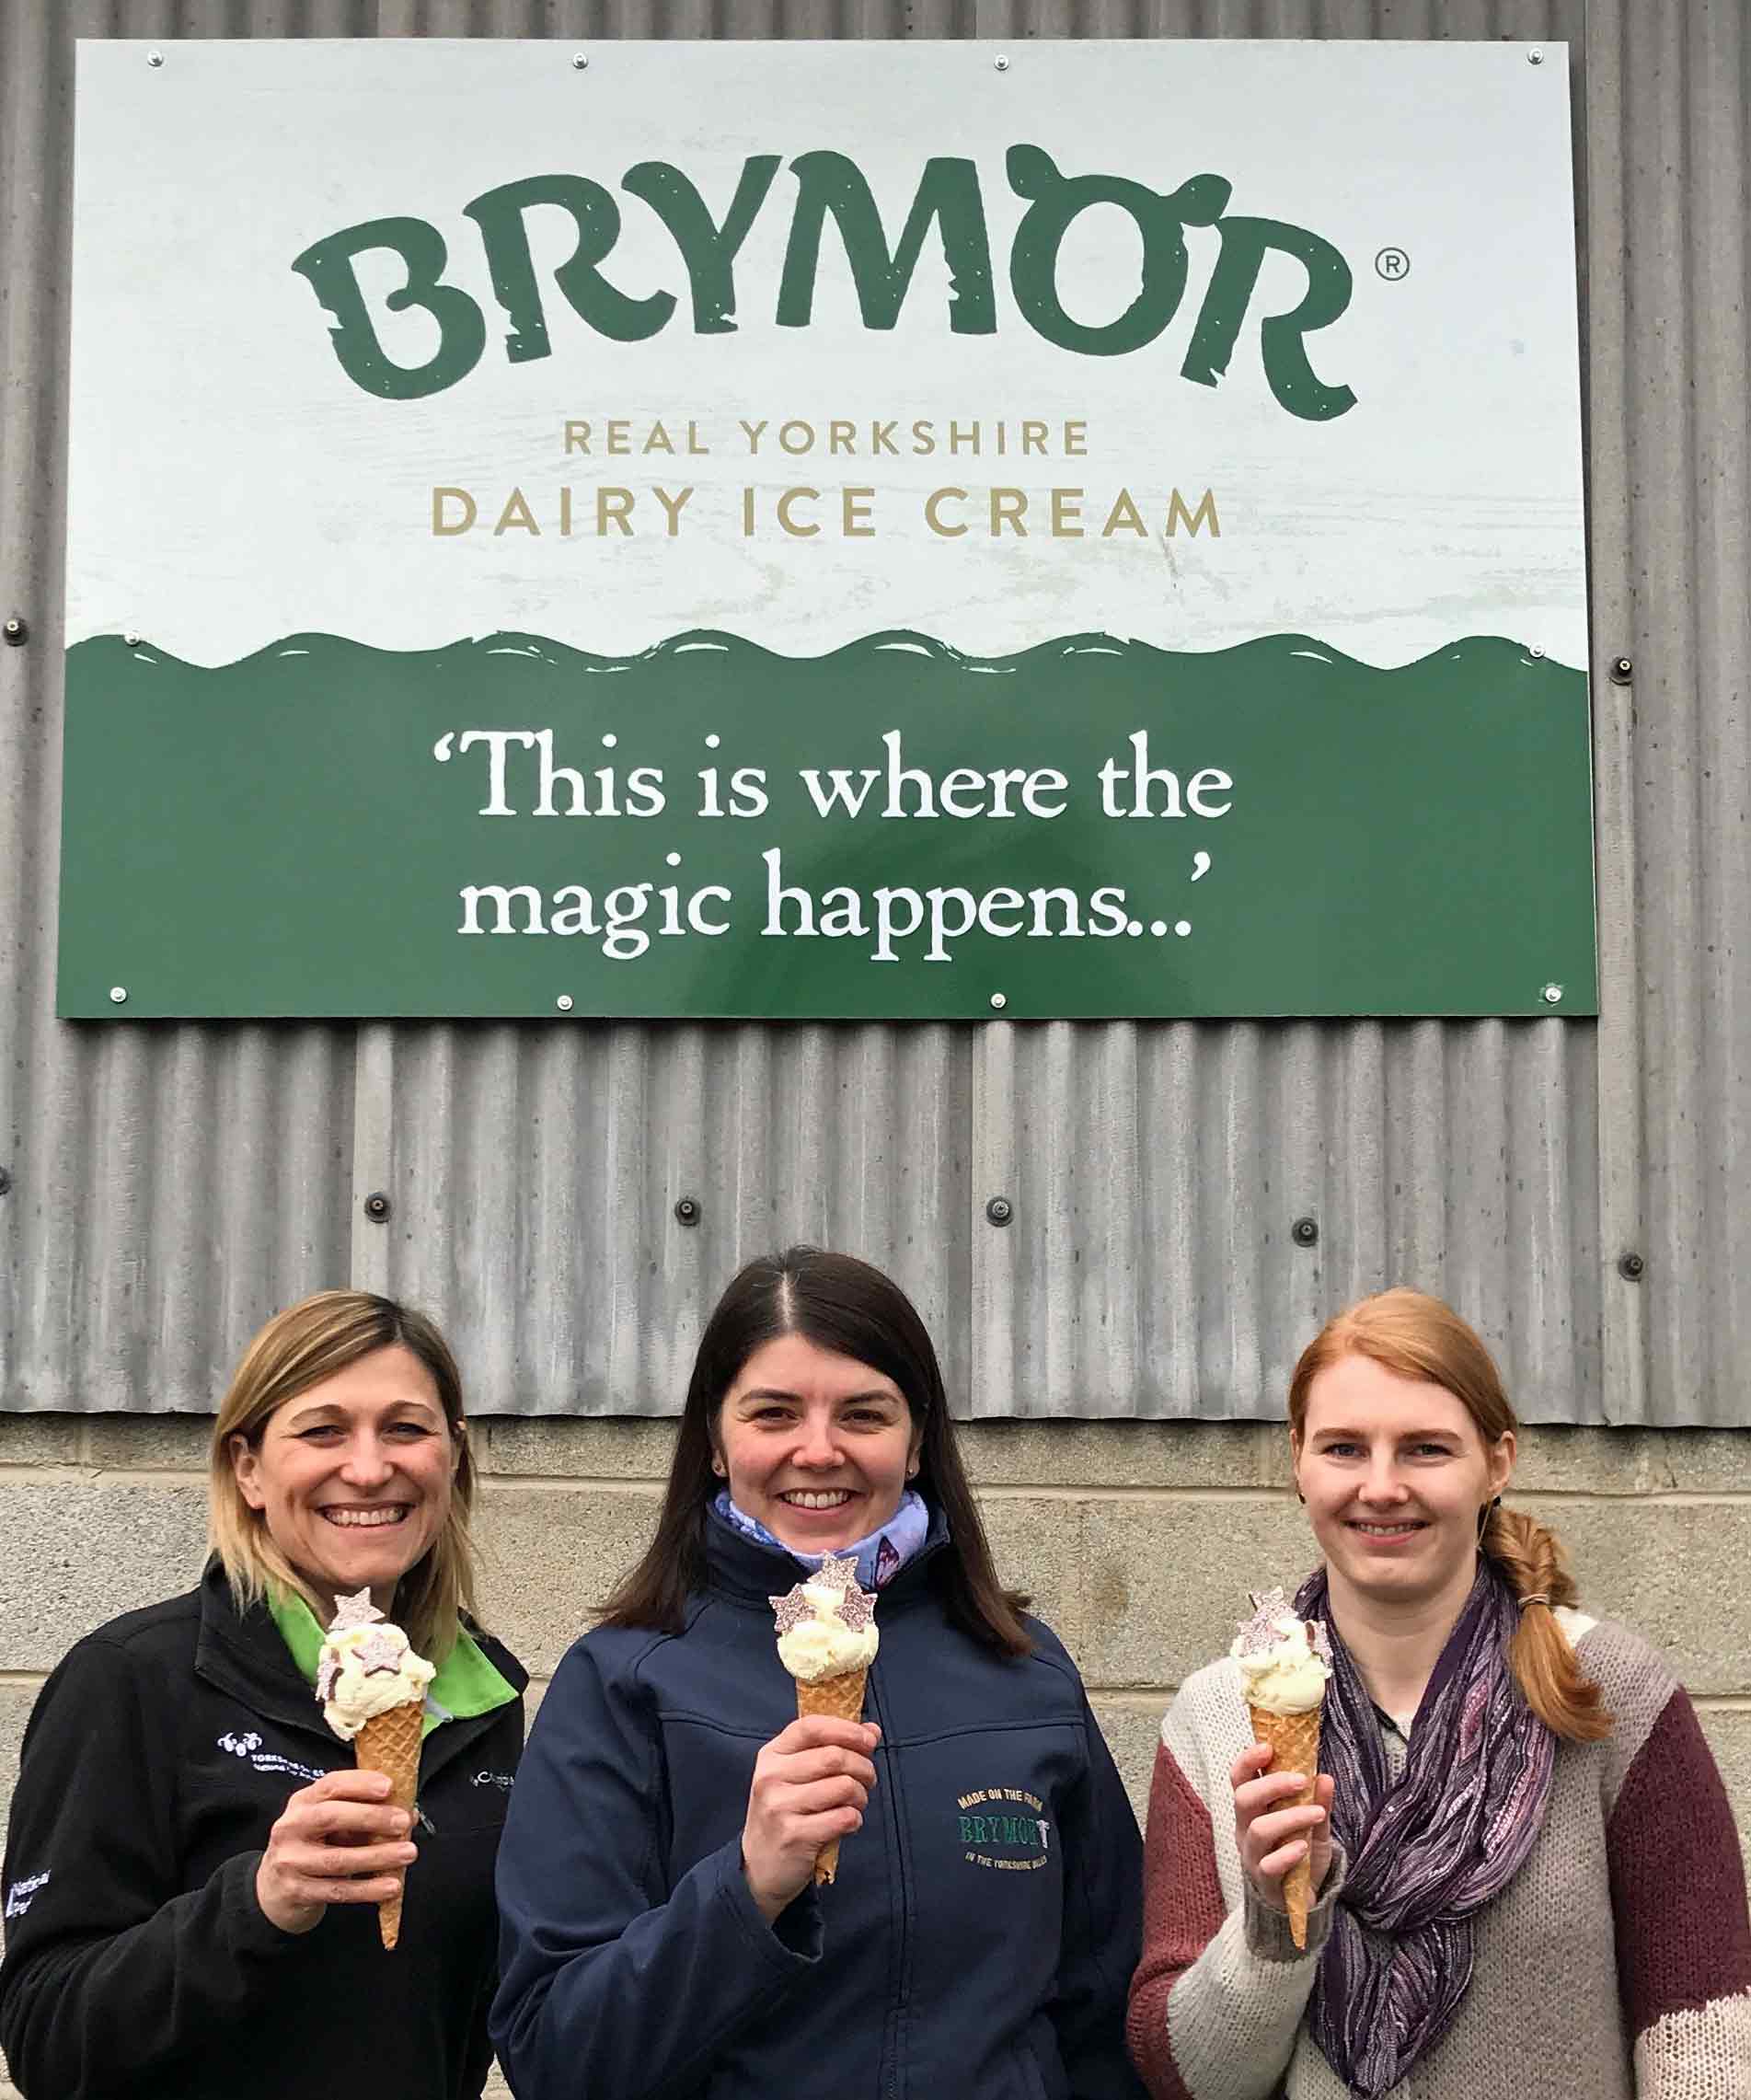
1137	1539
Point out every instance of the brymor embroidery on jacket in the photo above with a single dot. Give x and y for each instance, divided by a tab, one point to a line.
1004	1828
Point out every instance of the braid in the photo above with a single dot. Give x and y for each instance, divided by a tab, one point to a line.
1544	1665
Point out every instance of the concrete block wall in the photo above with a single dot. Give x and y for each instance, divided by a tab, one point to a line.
1138	1541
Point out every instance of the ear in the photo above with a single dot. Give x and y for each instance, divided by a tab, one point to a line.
245	1463
1502	1454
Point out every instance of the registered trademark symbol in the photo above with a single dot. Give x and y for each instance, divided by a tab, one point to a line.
1392	263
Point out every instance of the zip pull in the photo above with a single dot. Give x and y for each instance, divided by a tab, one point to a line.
424	1821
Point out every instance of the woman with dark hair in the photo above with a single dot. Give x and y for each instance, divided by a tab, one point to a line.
1525	1870
662	1929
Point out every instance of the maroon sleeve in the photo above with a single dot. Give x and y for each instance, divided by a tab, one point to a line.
1678	1883
1183	1912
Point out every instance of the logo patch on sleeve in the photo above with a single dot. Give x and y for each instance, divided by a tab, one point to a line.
1004	1828
19	1896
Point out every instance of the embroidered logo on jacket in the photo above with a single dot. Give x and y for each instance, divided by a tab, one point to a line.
19	1895
1004	1828
503	1781
248	1746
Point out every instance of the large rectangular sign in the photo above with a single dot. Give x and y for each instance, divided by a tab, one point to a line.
824	530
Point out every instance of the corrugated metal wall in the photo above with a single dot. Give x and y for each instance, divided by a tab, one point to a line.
170	1186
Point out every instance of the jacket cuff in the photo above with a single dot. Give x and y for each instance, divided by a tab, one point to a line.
1268	1934
248	1928
788	1946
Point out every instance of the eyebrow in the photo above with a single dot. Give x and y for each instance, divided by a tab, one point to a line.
1403	1436
844	1398
332	1411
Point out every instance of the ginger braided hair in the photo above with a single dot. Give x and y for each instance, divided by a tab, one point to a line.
1416	1336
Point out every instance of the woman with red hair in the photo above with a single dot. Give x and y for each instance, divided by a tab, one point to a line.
1525	1874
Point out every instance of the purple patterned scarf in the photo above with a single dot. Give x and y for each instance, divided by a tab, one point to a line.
1428	1852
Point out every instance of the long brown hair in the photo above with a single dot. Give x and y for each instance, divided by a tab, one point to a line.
842	1305
299	1349
1415	1336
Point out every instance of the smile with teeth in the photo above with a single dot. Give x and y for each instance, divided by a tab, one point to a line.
1371	1530
816	1497
369	1519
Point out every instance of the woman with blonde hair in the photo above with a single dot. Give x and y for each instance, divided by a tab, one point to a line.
1525	1869
194	1861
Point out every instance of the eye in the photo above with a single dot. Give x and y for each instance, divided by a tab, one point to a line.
1430	1451
1340	1450
320	1432
410	1432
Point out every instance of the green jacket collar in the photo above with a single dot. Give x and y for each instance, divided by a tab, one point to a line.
466	1683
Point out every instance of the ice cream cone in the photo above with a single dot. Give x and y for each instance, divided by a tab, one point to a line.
842	1697
1295	1747
390	1743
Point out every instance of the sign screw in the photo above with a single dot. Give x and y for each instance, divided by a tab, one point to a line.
1535	56
1002	65
118	994
998	1002
154	58
377	1207
1305	1232
999	1210
687	1211
564	1002
580	60
1622	670
16	633
1630	1267
1553	995
1535	651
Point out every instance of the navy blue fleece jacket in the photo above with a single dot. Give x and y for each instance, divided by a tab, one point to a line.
977	1943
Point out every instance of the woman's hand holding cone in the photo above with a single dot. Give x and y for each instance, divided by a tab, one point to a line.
811	1783
337	1840
1272	1839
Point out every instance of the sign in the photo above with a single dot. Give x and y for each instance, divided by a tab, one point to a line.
825	531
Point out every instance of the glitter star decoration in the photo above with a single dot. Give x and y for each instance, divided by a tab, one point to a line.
328	1670
1318	1642
379	1653
857	1608
1259	1634
354	1611
836	1573
791	1611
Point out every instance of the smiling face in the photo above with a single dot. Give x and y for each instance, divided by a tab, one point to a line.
816	1447
1395	1472
353	1477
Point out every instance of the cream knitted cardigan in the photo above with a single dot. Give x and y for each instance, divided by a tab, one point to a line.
1616	1965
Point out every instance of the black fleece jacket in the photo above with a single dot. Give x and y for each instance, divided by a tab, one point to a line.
137	1960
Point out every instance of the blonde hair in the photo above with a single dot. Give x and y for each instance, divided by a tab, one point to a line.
1415	1336
299	1349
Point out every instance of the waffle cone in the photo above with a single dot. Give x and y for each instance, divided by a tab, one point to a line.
1295	1747
842	1696
390	1743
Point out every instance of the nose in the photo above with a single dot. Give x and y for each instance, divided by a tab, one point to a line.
1382	1484
367	1465
816	1445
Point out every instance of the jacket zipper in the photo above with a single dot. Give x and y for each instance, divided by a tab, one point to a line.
891	2069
